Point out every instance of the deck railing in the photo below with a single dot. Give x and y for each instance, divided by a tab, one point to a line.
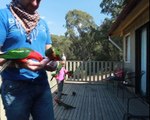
90	71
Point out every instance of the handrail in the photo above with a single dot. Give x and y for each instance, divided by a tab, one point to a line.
91	71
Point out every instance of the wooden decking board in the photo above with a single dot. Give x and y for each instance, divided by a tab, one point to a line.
70	100
62	112
73	102
120	105
113	107
107	105
100	111
57	109
79	99
95	102
82	107
92	102
91	108
106	113
97	106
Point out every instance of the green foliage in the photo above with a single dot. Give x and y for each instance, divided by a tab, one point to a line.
85	40
64	45
112	7
78	23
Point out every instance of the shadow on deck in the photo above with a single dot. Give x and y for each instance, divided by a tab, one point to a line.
94	102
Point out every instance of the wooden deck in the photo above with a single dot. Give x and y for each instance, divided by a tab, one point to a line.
94	102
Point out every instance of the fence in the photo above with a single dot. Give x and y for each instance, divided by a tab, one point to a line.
90	71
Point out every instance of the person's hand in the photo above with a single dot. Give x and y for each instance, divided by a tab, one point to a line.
51	66
34	65
31	65
2	61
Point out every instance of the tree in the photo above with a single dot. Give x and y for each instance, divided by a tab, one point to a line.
85	40
112	7
78	24
64	45
103	49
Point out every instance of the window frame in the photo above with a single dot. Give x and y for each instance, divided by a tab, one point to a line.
127	48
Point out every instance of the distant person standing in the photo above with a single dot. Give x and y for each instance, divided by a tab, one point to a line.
25	89
60	77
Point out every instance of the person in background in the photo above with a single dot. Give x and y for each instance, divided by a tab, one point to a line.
25	89
60	77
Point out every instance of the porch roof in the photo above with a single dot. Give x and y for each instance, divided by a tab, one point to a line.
129	13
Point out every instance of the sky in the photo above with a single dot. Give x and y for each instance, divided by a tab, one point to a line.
54	11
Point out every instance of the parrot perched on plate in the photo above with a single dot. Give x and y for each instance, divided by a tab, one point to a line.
21	55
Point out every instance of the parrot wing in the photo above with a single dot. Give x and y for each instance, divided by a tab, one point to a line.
19	53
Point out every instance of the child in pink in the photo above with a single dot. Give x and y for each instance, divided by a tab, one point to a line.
60	76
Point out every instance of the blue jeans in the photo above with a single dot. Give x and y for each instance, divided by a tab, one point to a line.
22	99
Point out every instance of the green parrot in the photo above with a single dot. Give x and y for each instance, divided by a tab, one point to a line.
21	55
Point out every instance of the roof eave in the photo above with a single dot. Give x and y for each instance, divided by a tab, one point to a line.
127	9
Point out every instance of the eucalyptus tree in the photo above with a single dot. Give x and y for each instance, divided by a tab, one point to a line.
112	7
64	45
108	50
78	25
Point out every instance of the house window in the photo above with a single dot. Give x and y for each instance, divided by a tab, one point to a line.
127	49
